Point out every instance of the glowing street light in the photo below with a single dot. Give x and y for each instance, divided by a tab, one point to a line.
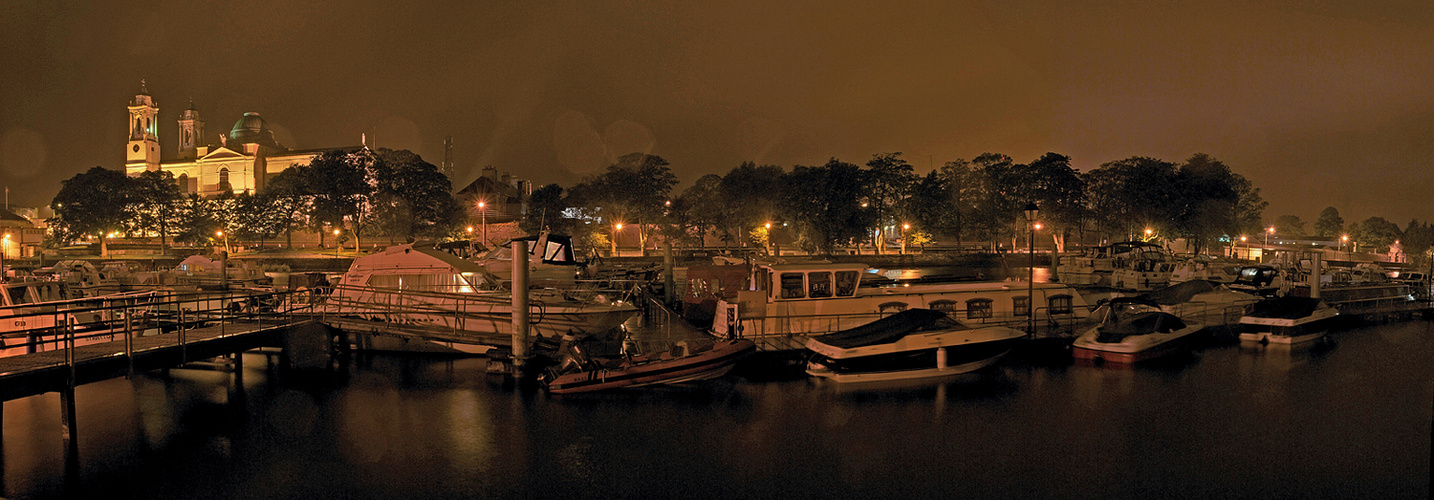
220	234
336	243
1268	231
483	210
1342	240
904	228
617	226
1032	211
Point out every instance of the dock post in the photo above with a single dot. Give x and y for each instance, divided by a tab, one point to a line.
520	308
129	341
67	427
668	294
1315	275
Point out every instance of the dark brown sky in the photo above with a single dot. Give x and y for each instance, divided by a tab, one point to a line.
1318	102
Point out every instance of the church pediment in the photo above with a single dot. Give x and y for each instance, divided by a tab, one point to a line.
223	153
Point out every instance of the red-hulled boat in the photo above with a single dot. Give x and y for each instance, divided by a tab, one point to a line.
680	364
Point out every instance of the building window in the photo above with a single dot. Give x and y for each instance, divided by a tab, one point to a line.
1021	305
978	308
183	182
224	180
1060	304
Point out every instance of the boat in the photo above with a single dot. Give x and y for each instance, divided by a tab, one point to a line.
1287	320
1133	330
415	284
198	270
81	279
706	285
1143	267
1204	302
683	363
1096	266
38	315
912	344
550	260
784	304
1204	267
1263	280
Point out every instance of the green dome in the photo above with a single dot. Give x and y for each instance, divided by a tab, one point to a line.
252	129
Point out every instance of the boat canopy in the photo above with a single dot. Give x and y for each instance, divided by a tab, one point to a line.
1142	323
883	331
1179	294
1287	307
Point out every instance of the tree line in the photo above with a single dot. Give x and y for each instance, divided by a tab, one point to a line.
361	193
817	208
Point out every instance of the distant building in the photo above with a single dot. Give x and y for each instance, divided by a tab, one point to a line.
19	236
505	197
240	161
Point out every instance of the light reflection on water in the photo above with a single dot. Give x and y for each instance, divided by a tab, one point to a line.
1346	420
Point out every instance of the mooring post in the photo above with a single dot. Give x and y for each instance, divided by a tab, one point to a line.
129	340
520	308
668	294
1315	275
67	425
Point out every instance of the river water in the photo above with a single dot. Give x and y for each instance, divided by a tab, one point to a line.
1347	419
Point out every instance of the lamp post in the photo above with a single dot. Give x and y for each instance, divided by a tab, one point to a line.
220	234
336	244
904	228
483	211
1031	213
615	228
1247	247
768	226
1342	240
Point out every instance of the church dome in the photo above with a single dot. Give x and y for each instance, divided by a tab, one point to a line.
252	129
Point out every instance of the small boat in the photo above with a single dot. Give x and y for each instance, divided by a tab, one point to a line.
683	363
912	344
1287	320
1133	330
1202	301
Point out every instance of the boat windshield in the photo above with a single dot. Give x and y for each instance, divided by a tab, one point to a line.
440	282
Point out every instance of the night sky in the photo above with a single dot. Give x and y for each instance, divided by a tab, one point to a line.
1319	103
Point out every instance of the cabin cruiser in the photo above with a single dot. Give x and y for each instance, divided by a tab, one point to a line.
550	260
1132	330
81	279
1204	302
1146	266
198	270
416	284
1097	266
912	344
785	303
1287	320
1204	267
1261	279
36	315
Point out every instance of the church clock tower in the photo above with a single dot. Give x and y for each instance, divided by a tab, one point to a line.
142	151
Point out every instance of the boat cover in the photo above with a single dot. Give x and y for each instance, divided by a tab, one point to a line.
1141	323
882	331
1287	307
1180	293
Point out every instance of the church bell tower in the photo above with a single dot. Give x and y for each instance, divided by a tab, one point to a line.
191	130
142	151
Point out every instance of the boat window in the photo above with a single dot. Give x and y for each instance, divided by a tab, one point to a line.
846	283
793	286
446	283
978	308
1021	305
943	305
18	295
894	307
49	293
821	284
1059	304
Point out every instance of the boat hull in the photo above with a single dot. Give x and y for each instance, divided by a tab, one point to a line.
707	364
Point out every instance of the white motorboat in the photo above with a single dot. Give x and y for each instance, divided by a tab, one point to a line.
418	285
1204	267
783	304
913	344
550	260
1287	320
1133	330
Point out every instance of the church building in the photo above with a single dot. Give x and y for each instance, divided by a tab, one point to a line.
239	162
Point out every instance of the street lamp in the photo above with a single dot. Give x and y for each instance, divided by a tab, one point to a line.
483	210
615	228
1032	211
336	243
1268	231
220	234
1342	240
904	228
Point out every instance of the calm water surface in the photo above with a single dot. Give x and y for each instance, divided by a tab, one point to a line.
1348	420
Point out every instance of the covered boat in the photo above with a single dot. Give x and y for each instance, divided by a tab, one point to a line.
912	344
1287	320
1134	329
683	363
1205	302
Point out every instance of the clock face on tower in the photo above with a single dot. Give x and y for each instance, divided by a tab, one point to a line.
136	148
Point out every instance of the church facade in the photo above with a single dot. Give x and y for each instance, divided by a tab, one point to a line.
241	161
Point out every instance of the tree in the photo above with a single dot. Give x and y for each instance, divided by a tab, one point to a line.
154	198
410	197
705	206
822	203
747	197
992	191
338	181
1130	195
545	211
196	221
1057	190
94	202
638	187
291	197
1290	226
1329	224
1378	233
888	180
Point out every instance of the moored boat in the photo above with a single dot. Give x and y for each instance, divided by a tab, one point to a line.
1134	330
913	344
683	363
1287	320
